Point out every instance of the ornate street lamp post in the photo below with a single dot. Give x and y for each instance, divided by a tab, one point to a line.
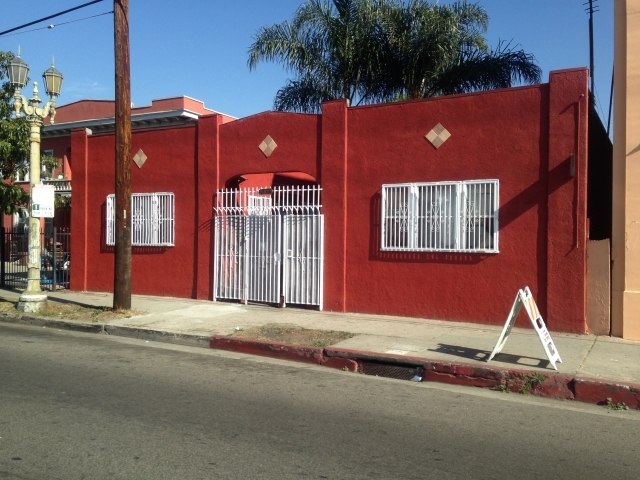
33	297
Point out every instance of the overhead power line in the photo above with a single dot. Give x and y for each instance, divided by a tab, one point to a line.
58	24
50	16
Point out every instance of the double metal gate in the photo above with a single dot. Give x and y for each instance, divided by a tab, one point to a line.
269	245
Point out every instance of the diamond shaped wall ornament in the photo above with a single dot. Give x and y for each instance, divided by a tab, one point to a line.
438	135
267	146
140	158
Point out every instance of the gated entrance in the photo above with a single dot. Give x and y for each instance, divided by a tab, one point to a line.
55	258
269	245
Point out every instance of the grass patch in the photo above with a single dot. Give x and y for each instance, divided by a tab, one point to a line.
611	405
524	383
7	307
72	311
293	335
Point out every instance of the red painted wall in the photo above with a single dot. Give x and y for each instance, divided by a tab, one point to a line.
484	145
297	137
497	135
170	167
84	110
524	137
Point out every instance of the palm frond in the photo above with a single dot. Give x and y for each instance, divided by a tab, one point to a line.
379	50
502	68
305	95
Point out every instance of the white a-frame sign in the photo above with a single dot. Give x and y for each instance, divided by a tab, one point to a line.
525	298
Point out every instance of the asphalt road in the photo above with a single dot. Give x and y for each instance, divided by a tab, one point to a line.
88	406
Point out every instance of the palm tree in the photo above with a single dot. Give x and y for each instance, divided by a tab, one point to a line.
441	49
331	49
370	51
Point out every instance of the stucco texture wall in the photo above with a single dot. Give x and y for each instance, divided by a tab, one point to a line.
498	135
169	167
525	137
296	135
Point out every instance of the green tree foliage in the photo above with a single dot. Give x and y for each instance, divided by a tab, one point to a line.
369	51
14	145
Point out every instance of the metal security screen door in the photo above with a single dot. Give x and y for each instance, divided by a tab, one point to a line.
269	245
303	237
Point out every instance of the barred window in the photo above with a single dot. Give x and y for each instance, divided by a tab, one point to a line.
440	217
152	219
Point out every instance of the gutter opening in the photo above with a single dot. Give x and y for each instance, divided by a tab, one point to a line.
387	370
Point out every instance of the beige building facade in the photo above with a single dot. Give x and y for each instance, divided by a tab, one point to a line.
625	252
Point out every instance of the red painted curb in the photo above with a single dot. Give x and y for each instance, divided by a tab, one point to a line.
553	385
283	351
466	375
556	385
595	391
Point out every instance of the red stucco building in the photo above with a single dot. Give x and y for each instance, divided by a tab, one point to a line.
518	167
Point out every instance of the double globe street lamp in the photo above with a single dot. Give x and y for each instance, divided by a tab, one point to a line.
33	297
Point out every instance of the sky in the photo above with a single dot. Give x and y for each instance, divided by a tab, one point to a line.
198	48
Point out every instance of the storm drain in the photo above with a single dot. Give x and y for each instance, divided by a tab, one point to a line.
399	372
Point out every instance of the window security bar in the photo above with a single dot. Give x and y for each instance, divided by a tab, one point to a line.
440	217
152	219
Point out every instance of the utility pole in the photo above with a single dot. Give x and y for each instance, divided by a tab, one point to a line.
610	100
122	270
590	10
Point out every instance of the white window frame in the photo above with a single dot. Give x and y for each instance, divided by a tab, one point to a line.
152	219
440	217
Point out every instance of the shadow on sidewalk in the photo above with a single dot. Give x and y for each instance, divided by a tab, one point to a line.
483	355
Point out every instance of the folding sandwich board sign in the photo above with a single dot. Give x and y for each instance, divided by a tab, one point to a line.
525	298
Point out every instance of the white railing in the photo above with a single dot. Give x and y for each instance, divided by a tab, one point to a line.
440	217
59	185
152	219
300	200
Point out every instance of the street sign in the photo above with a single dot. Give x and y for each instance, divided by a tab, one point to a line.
43	201
525	298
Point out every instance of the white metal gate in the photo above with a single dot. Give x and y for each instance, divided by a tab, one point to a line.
269	245
303	255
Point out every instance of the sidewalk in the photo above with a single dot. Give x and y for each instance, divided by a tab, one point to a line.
593	368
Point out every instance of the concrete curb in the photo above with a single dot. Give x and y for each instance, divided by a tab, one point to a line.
158	336
105	328
554	385
51	323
